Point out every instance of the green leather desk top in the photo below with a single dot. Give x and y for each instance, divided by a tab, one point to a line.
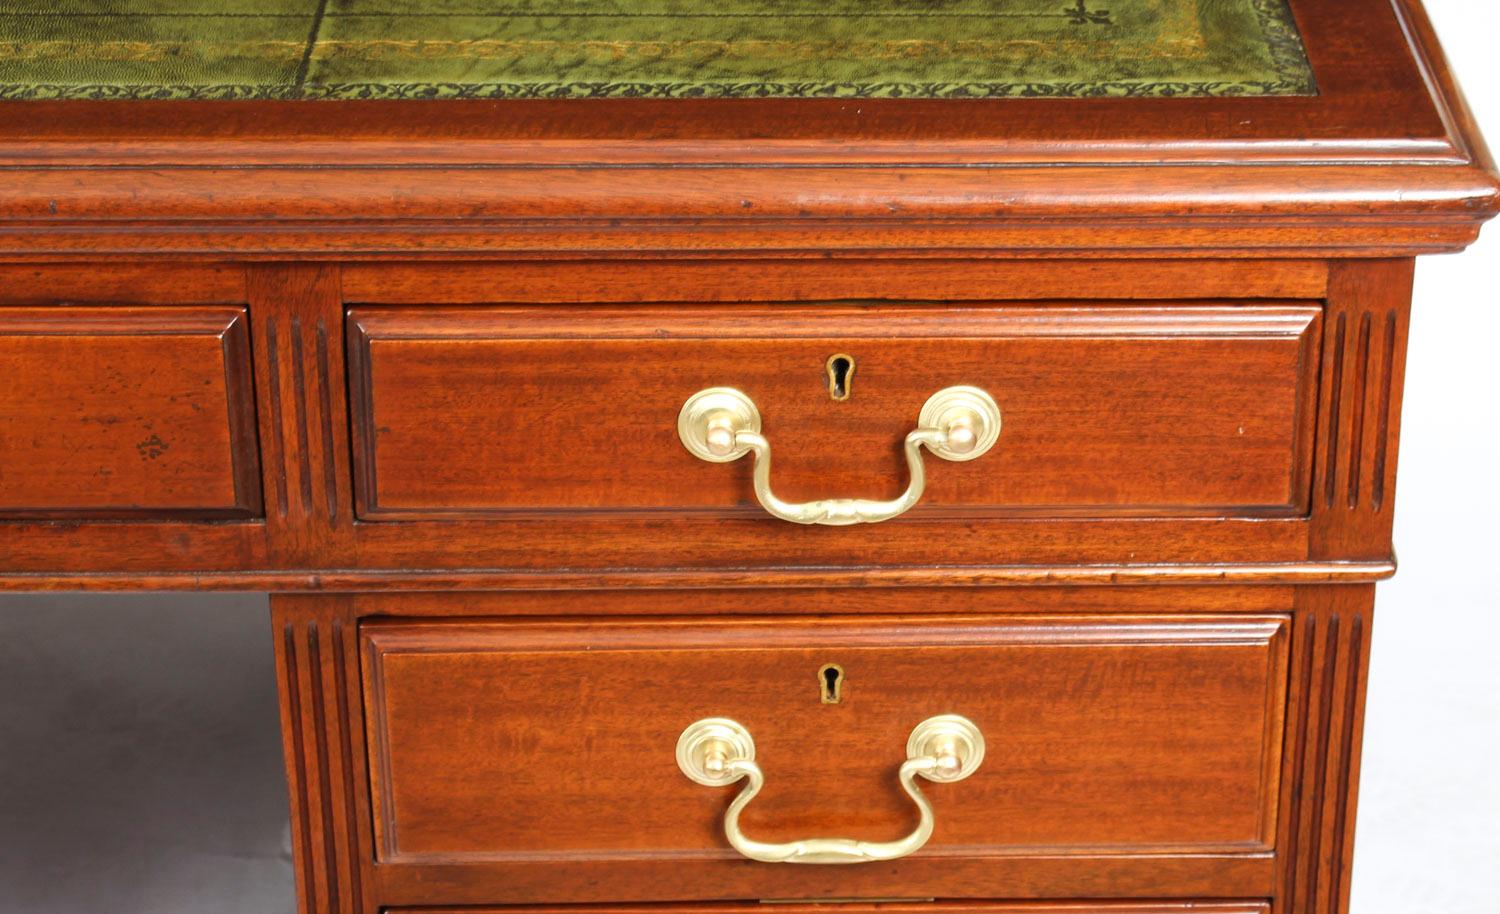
331	49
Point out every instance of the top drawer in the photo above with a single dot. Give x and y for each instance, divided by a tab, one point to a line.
1106	410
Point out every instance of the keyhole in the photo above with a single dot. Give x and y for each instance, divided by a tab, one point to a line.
831	681
840	376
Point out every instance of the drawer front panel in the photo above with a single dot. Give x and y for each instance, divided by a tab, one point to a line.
126	412
1108	736
1107	411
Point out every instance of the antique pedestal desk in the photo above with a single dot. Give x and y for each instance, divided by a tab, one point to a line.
1076	329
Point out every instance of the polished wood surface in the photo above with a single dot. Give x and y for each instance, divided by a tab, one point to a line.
927	279
1107	411
1037	878
469	581
126	412
1389	164
309	548
296	316
127	284
1106	734
317	641
1320	781
427	360
1364	369
318	650
310	539
747	210
914	602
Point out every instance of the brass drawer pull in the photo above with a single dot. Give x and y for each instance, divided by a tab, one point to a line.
717	752
721	425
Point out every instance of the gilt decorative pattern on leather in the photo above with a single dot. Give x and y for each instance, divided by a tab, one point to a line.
326	49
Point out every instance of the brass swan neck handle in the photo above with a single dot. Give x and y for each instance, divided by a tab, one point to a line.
717	752
721	424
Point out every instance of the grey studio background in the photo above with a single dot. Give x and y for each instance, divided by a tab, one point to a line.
140	757
140	768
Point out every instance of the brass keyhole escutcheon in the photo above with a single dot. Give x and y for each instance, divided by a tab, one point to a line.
840	369
831	683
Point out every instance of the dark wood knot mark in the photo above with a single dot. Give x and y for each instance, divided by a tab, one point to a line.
152	448
1080	14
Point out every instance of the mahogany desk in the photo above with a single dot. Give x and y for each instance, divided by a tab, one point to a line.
1078	335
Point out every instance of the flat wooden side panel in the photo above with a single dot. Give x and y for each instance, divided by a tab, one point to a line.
1110	736
126	412
323	742
1364	367
1330	667
298	325
475	412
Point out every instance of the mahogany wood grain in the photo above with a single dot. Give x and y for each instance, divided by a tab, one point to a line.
1389	163
670	212
1108	410
1189	742
113	283
993	237
323	743
1319	768
1319	759
1364	368
747	196
606	607
497	742
1066	876
301	387
468	581
603	544
593	547
1331	659
37	553
126	412
1450	102
699	281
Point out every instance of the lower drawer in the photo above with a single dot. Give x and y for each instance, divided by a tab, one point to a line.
1125	755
